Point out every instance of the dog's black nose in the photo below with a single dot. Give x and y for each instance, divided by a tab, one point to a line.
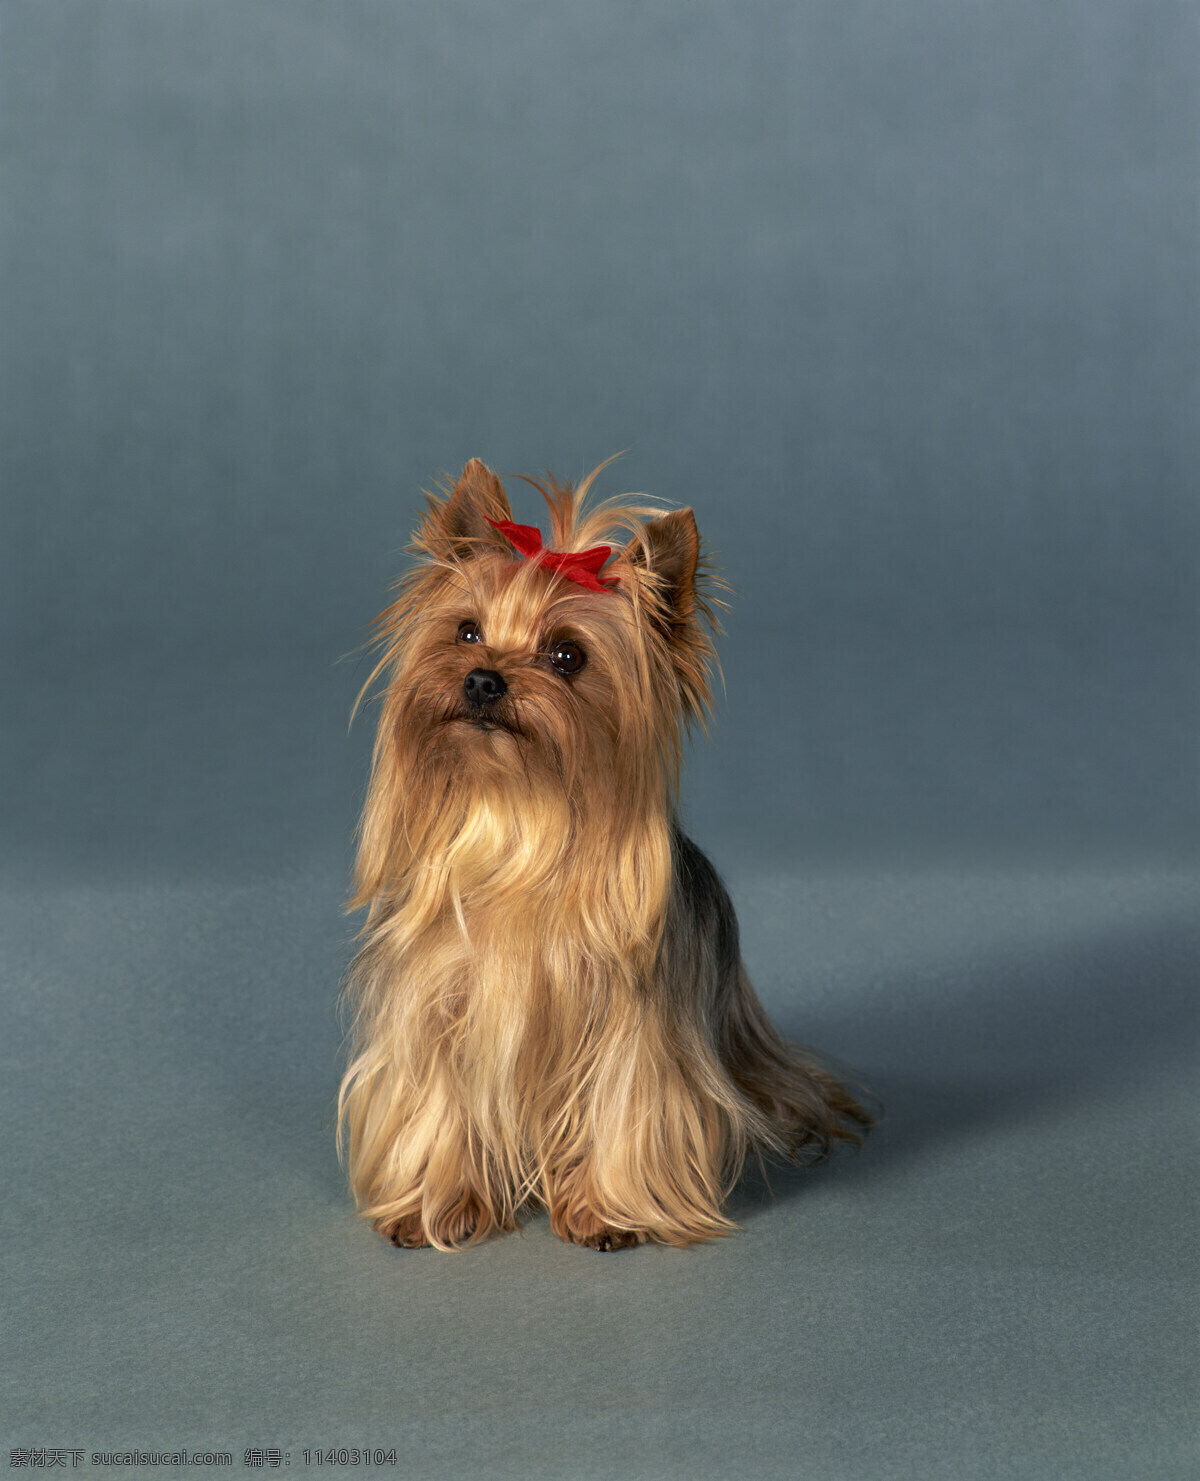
483	687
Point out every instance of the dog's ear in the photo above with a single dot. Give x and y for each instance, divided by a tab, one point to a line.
460	527
677	603
671	553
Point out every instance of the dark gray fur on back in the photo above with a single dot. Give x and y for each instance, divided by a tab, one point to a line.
699	955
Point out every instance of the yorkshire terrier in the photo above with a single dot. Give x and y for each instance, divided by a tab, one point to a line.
549	1004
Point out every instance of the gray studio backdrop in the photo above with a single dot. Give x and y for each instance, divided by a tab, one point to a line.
902	299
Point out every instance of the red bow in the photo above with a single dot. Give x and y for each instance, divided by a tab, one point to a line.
582	566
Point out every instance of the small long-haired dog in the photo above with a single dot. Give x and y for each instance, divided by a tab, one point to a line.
549	1004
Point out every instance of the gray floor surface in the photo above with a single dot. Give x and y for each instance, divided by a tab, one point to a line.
1002	1284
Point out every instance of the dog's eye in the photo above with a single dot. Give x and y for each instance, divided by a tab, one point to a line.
567	658
468	632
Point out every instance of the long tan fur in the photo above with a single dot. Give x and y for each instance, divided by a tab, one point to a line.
548	1002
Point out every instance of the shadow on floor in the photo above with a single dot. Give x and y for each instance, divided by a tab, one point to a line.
1024	1036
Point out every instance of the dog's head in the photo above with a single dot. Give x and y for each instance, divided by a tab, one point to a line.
543	673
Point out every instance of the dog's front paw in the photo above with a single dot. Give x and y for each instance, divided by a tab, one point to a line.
464	1222
610	1239
407	1233
596	1235
573	1219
